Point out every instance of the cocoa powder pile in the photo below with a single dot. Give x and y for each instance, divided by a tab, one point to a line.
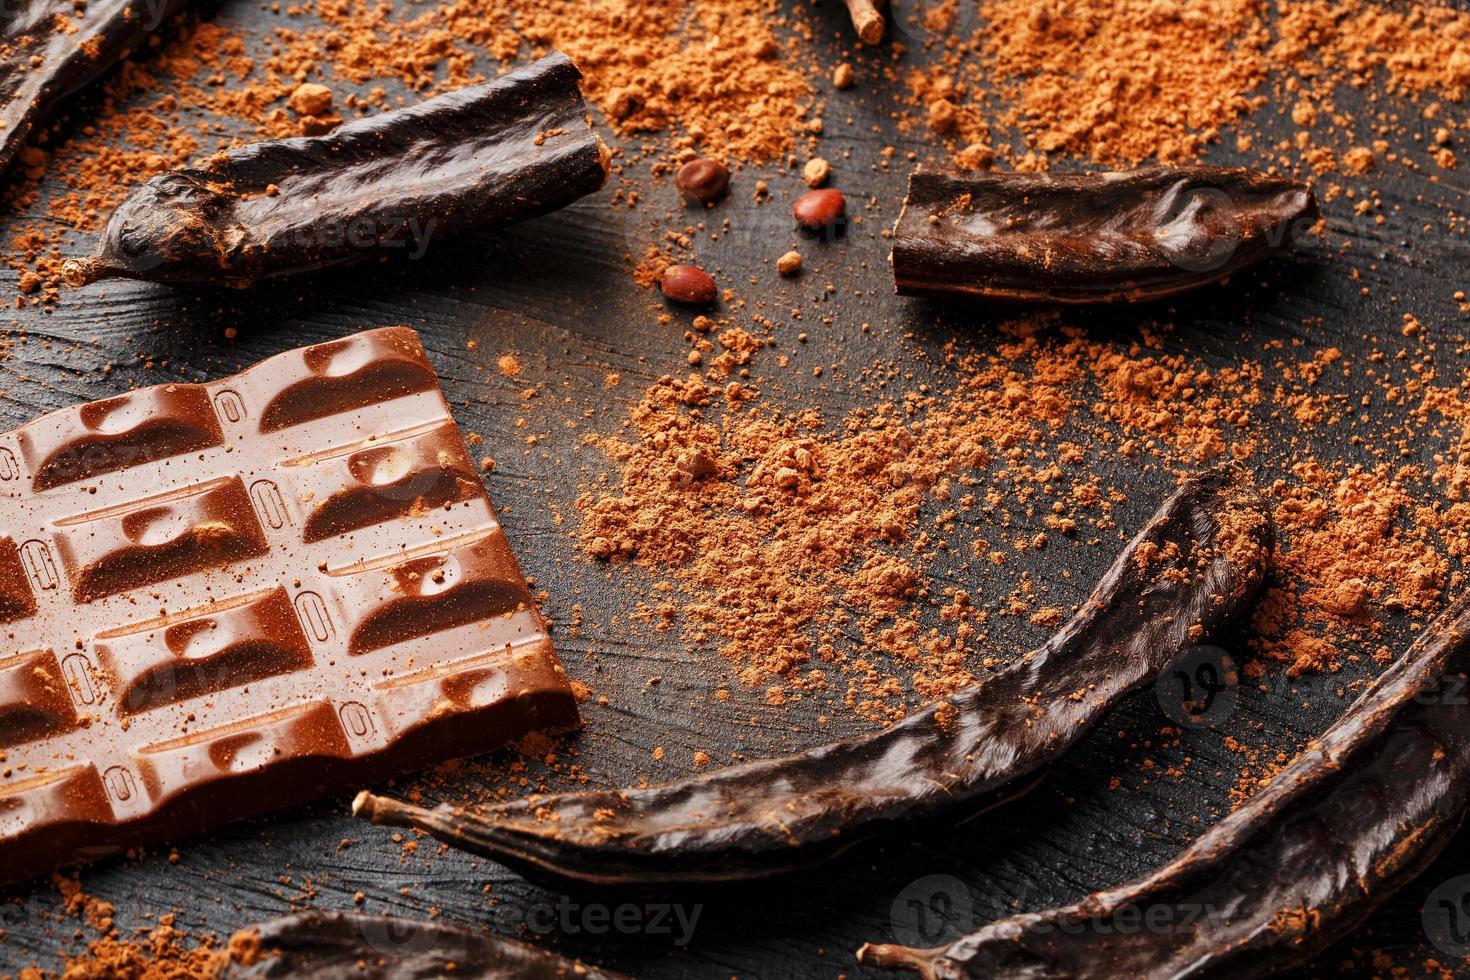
1123	82
802	544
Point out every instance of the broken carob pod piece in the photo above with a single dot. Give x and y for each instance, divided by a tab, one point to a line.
1353	818
1191	570
1090	238
867	19
475	158
344	946
51	48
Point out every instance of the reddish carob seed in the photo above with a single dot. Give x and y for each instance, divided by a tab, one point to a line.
688	284
702	181
820	209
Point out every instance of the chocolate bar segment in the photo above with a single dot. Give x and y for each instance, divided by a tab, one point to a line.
224	598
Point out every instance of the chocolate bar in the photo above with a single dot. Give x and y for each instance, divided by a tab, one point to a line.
220	599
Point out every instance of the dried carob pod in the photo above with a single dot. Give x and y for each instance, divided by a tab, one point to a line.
1191	570
1090	238
479	157
1353	818
342	946
51	48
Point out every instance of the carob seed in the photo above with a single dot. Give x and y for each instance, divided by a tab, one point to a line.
703	181
688	284
820	209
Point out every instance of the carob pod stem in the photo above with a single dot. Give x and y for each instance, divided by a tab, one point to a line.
343	946
52	48
1358	814
1090	238
1190	571
475	158
867	19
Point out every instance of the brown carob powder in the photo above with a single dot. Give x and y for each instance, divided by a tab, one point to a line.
798	545
713	73
1122	81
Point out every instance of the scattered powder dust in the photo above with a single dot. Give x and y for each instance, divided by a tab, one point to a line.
161	951
1123	81
799	545
1101	80
716	69
1344	552
791	535
509	365
716	74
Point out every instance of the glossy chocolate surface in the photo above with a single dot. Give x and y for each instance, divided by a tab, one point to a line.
223	598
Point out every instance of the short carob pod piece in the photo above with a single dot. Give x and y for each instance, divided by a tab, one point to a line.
867	19
1091	238
353	946
1359	813
52	48
1191	570
476	158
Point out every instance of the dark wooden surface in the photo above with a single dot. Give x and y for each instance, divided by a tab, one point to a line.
558	292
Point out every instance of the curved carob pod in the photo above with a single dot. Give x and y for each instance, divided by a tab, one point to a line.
475	158
344	946
1191	570
52	48
1353	818
1090	238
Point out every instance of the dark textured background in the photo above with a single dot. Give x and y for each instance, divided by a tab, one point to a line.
558	292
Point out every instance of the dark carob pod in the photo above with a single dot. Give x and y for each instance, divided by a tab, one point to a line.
475	158
52	48
1090	238
1190	571
1353	818
342	946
